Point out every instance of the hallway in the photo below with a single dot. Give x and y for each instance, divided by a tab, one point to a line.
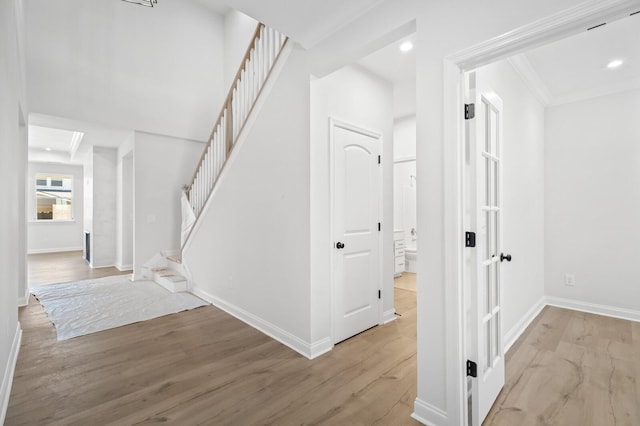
204	366
48	268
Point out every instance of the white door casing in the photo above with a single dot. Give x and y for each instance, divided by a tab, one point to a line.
428	406
483	211
356	213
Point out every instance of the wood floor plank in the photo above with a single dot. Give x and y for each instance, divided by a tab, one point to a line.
572	368
48	268
206	367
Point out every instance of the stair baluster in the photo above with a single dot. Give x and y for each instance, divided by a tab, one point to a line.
259	59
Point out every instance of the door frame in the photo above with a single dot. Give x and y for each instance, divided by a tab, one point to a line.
333	123
555	27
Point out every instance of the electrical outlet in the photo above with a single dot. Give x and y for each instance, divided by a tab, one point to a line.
569	280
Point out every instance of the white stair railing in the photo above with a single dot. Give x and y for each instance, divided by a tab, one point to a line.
261	55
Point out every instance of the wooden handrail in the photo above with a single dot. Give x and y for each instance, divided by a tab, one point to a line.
255	68
227	101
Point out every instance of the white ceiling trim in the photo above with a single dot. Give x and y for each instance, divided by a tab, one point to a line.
531	79
555	27
609	89
75	143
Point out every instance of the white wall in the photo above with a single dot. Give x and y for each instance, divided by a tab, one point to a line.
48	236
103	234
250	251
155	69
124	235
592	202
404	138
13	171
161	167
238	31
404	99
21	263
88	202
124	204
404	185
357	97
100	213
523	186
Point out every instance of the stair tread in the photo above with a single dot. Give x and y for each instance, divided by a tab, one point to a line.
177	258
173	277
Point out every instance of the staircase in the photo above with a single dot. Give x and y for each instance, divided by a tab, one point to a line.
166	269
255	68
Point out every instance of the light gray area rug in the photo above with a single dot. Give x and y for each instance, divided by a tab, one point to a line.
84	307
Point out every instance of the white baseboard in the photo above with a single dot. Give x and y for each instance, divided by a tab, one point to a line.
428	415
576	305
388	316
320	347
512	335
592	308
54	250
123	268
109	265
309	350
7	379
24	300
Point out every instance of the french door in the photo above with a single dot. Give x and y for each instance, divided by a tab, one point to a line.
483	215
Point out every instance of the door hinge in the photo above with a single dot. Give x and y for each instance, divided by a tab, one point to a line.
472	369
469	111
379	294
379	227
379	159
469	239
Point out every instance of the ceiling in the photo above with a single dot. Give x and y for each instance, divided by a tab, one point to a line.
216	6
576	68
68	140
50	139
399	69
565	71
305	21
391	64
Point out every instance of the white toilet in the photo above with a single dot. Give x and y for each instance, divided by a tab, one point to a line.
410	259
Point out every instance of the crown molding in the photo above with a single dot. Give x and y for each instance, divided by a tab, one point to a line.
531	79
543	31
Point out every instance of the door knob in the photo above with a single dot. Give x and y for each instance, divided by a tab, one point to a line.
339	245
504	257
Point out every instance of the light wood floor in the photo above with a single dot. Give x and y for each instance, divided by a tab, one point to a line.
48	268
406	281
206	367
572	368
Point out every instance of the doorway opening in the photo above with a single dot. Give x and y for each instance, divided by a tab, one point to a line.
376	96
556	98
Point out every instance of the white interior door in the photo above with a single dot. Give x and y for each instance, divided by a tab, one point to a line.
483	214
356	244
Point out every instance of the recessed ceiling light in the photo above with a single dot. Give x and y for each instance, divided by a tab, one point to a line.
47	149
406	46
615	64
